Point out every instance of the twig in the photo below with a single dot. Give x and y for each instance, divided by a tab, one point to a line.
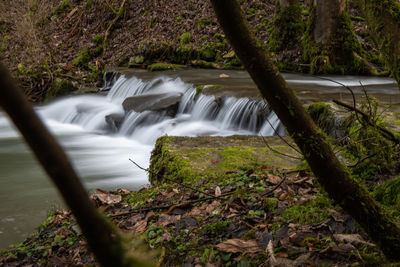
276	187
367	97
278	152
283	139
107	33
361	160
187	203
166	178
386	133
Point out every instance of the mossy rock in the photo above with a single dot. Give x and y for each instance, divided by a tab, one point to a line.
163	66
191	158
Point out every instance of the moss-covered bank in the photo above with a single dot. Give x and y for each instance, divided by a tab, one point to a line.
188	159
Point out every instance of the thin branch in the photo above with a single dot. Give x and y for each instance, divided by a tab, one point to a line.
166	178
361	160
278	152
269	192
283	139
385	132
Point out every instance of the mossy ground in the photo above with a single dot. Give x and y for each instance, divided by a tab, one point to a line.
192	221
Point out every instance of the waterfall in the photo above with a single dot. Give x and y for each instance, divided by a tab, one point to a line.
197	114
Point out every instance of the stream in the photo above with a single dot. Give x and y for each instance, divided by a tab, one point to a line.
100	137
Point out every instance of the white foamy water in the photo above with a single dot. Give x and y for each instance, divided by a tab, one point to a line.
100	138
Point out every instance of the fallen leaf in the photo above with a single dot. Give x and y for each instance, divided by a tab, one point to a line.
283	196
107	198
239	245
217	191
223	75
139	227
273	179
270	252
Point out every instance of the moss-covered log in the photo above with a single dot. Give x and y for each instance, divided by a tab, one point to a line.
330	45
288	25
331	174
383	19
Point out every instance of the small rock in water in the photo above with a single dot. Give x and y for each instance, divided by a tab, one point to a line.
223	75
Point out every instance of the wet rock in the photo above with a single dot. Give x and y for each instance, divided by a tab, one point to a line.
154	102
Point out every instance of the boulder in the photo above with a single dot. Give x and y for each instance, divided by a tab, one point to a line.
154	102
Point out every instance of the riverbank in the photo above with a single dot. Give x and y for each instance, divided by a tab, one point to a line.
55	48
243	216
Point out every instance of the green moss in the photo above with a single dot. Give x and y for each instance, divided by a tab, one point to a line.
287	28
214	229
271	205
203	22
208	52
189	159
204	64
314	211
83	57
98	39
59	87
341	54
163	66
322	115
61	7
388	193
185	39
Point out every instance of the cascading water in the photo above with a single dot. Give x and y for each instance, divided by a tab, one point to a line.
100	137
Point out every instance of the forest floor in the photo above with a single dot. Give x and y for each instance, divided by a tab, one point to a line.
263	217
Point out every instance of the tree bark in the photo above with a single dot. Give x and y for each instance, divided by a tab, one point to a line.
383	20
288	25
102	238
330	173
330	45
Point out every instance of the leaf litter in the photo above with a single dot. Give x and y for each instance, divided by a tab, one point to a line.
249	221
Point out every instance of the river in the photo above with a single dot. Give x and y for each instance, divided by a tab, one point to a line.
100	152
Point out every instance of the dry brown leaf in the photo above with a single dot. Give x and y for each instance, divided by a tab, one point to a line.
273	179
140	227
239	245
107	198
270	252
283	196
213	206
223	75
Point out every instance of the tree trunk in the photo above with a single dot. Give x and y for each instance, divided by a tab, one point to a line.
103	239
383	19
330	44
288	25
331	174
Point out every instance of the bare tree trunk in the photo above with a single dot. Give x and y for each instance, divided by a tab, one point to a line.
331	174
102	238
330	44
383	19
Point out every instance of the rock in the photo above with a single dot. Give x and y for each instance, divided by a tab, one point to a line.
154	102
